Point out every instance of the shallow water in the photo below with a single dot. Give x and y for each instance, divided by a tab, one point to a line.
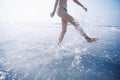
30	52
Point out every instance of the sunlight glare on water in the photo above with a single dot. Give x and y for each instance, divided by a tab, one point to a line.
31	53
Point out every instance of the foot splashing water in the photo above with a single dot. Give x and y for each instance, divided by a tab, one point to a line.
28	56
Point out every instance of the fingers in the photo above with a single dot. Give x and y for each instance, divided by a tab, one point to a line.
85	8
52	14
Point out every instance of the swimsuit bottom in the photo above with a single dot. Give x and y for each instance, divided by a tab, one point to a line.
65	9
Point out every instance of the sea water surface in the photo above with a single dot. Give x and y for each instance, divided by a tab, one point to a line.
30	52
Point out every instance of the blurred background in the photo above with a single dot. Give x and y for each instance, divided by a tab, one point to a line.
36	11
28	41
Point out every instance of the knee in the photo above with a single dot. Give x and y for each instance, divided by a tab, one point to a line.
75	22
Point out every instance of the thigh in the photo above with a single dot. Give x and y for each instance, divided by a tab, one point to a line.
69	18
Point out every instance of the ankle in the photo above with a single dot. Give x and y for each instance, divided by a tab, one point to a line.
85	36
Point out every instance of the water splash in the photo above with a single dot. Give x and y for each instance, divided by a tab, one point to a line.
29	57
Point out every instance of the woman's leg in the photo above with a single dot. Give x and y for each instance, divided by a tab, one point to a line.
64	29
69	18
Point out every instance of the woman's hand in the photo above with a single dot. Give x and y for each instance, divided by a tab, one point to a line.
85	9
52	14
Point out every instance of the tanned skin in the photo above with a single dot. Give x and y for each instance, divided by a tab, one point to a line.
65	18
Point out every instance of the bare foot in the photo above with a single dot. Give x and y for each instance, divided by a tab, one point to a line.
90	40
59	43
